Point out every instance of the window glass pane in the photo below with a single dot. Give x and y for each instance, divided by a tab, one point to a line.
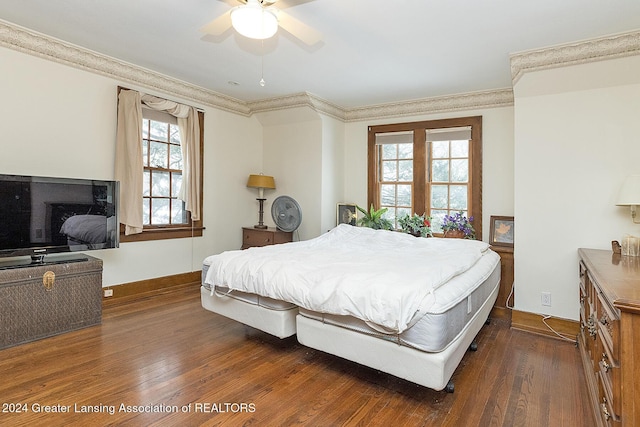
402	211
404	195
389	171
439	196
174	134
440	171
146	183
458	197
405	151
389	151
159	130
176	183
390	214
440	149
145	152
160	211
145	211
175	157
459	170
179	215
460	148
437	218
160	184
145	128
405	170
158	157
388	195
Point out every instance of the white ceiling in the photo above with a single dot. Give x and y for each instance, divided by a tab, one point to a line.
372	51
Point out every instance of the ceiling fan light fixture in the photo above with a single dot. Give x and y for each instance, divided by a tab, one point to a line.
253	21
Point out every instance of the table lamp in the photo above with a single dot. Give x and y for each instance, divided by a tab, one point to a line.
261	182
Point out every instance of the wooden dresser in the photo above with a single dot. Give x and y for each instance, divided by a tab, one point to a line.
264	236
609	337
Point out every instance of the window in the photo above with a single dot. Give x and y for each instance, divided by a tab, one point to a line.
432	167
162	170
151	201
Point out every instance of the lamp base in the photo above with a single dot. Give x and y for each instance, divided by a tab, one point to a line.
260	224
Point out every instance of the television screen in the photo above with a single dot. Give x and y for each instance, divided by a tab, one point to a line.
40	215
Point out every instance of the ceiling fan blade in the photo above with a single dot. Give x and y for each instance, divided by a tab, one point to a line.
219	25
298	29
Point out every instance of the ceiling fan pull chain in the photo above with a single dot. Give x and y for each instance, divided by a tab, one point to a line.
262	66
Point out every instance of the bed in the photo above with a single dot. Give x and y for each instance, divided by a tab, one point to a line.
407	306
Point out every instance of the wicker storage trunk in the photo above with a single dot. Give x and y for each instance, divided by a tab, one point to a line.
45	300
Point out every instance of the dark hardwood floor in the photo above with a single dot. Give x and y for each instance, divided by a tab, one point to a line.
166	353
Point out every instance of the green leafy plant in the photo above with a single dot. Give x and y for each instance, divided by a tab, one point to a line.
459	222
418	225
373	219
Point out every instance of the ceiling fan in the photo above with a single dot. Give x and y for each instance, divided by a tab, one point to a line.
260	19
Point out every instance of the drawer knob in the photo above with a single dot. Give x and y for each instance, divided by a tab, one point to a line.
591	326
604	320
605	365
605	410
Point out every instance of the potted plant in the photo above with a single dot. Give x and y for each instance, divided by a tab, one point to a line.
458	225
418	225
373	219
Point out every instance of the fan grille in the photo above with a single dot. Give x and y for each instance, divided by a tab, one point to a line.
286	213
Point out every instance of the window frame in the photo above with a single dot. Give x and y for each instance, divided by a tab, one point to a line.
178	231
421	188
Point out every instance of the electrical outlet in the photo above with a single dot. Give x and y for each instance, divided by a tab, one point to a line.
108	292
546	299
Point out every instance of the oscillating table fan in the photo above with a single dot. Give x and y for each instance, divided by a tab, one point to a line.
286	213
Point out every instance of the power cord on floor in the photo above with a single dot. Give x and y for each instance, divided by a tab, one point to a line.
544	319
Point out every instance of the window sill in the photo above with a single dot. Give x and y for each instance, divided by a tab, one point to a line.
161	233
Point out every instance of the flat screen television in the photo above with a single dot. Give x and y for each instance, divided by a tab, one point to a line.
42	215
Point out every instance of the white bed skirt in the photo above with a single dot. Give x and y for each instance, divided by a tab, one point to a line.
432	370
281	323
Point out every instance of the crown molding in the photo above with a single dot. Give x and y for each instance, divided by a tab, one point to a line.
304	99
27	41
440	104
610	47
33	43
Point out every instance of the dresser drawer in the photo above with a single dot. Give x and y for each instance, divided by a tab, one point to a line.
264	237
608	329
256	238
610	385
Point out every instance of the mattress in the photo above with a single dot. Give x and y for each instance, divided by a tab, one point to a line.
440	320
272	316
381	277
266	302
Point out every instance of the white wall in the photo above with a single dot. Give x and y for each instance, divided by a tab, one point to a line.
576	139
497	159
61	121
293	155
333	170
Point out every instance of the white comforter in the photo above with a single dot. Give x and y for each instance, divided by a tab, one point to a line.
376	276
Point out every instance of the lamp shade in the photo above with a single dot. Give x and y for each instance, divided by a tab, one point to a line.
261	181
630	191
253	21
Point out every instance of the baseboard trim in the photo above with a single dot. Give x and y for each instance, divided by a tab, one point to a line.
145	288
535	323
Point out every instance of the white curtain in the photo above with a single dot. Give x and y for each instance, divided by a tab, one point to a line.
129	160
129	155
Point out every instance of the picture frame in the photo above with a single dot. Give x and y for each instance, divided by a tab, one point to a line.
346	214
502	231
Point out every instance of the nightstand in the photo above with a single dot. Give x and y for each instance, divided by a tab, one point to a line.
264	237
